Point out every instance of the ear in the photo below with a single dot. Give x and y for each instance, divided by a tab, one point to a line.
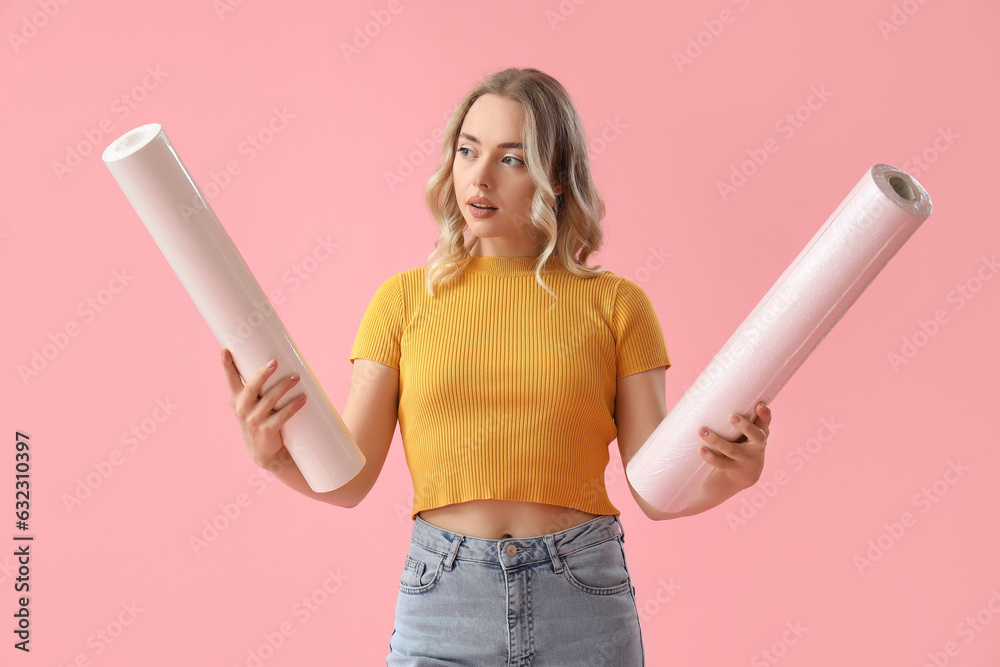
557	189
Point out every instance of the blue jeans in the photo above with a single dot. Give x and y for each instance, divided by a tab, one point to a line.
564	599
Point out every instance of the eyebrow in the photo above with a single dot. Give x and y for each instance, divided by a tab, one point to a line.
508	144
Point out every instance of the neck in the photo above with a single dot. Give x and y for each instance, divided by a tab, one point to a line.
494	250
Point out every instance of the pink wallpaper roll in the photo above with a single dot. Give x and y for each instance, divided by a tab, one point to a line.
230	299
809	298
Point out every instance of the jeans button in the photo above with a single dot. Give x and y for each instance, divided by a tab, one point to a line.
511	550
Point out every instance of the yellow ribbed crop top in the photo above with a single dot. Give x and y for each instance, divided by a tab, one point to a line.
501	396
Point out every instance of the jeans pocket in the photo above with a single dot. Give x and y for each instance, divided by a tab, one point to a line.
421	571
598	569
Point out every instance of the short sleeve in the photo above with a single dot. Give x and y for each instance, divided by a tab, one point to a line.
381	326
639	342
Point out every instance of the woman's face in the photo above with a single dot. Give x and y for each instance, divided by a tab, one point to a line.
490	164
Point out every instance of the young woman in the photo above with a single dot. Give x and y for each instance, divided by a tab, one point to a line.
510	365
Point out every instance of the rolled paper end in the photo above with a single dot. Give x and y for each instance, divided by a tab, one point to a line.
677	497
130	142
878	216
902	189
326	466
668	471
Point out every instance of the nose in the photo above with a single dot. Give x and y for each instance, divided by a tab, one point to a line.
480	175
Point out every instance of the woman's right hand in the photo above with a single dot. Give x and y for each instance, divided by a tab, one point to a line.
258	420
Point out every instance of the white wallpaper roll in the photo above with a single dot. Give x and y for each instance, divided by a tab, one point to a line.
809	298
230	299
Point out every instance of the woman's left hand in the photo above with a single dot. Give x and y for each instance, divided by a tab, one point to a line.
739	460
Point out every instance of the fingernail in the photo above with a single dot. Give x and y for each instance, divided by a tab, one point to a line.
735	419
703	431
272	363
763	407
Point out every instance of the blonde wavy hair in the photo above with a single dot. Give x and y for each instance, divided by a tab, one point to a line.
555	147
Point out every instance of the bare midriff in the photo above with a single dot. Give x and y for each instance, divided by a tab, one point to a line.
501	519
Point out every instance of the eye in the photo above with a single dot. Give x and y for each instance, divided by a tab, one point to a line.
465	151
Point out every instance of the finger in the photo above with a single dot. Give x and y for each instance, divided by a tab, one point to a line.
255	383
278	418
763	419
715	458
270	425
717	443
751	431
266	404
743	425
232	375
249	395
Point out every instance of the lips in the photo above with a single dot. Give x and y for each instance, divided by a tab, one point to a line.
481	202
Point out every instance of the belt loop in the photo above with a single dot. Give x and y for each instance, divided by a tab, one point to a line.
550	544
621	528
453	554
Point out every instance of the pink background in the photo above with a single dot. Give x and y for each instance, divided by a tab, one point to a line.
711	591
